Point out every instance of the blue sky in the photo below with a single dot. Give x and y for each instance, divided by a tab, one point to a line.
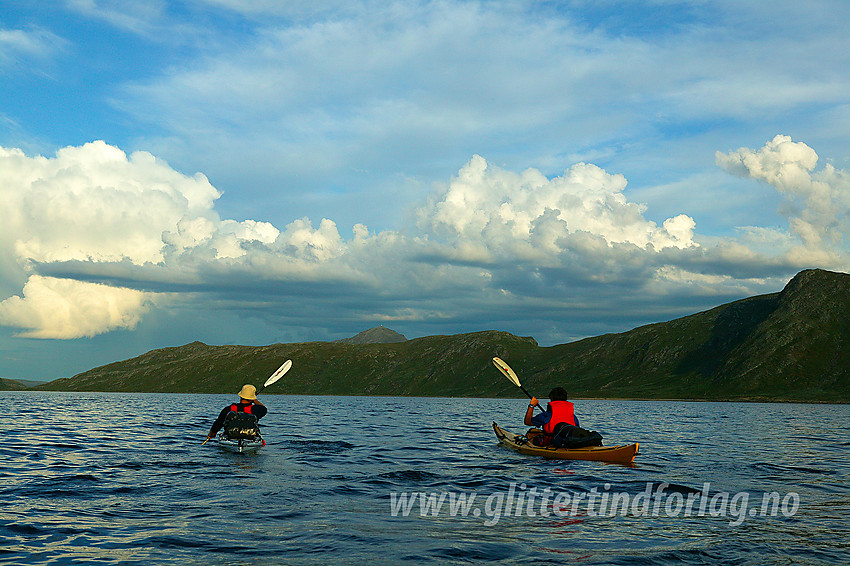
258	172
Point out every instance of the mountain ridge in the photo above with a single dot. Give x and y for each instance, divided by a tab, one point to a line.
793	345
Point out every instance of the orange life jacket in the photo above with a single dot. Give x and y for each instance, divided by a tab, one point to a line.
562	412
244	408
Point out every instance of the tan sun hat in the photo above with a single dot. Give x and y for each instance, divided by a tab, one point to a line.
248	392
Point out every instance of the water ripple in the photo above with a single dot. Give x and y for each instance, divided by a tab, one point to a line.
81	485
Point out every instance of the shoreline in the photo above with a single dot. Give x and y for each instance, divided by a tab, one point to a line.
754	400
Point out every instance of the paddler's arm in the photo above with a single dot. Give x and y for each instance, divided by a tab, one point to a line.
530	411
219	422
261	410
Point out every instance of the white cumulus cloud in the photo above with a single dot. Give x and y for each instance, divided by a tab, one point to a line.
93	203
817	203
65	309
487	212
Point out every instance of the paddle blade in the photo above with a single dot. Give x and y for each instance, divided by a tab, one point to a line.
506	369
279	373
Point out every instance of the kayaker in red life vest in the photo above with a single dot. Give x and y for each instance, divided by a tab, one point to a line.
559	411
248	403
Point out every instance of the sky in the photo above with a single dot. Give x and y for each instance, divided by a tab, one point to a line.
258	172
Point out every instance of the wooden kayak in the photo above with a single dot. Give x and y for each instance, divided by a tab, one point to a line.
522	443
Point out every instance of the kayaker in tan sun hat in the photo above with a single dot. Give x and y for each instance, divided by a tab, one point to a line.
248	403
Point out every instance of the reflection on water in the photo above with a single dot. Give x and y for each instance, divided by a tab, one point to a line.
123	478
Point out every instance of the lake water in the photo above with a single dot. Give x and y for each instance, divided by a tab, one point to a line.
123	479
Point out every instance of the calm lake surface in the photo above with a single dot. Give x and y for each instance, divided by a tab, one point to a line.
96	478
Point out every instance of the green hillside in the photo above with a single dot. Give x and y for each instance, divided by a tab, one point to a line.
435	365
791	345
11	385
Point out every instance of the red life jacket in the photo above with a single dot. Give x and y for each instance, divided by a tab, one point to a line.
244	408
562	412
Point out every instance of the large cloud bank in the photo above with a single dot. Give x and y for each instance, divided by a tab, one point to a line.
92	239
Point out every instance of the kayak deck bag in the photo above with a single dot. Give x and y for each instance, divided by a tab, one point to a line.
241	426
567	436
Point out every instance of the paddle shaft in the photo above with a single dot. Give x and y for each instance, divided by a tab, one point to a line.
530	396
260	390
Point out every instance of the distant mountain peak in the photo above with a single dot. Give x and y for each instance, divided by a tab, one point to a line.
377	335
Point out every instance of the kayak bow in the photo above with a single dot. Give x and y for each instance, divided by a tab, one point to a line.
241	445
